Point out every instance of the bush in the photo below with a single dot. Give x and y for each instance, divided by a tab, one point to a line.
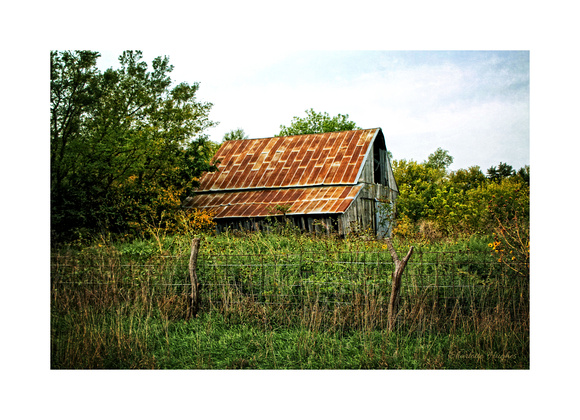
487	209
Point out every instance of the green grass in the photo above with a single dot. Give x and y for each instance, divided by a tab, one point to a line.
123	305
211	342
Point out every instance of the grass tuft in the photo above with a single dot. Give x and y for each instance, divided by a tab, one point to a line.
273	301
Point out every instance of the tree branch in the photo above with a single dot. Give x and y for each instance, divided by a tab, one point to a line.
396	285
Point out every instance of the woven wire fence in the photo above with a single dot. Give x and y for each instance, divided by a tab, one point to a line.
448	281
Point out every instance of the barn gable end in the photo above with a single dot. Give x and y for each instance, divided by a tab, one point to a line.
331	180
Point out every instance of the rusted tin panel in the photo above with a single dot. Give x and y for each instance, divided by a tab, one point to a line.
350	148
313	175
293	161
309	202
261	203
348	172
345	199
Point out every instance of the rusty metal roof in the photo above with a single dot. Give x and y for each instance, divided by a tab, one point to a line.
262	203
293	161
311	173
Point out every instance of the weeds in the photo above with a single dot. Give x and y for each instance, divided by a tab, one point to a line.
286	302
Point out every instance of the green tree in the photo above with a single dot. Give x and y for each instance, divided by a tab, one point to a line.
73	83
463	202
439	159
524	174
503	171
467	179
126	145
418	184
237	134
315	122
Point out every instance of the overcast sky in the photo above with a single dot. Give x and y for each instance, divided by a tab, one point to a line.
475	104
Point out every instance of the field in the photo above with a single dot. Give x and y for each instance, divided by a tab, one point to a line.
286	301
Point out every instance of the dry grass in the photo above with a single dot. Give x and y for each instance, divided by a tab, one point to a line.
107	313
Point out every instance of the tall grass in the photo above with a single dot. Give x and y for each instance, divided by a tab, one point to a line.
286	302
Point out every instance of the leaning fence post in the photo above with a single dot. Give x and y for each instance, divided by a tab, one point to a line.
396	286
194	299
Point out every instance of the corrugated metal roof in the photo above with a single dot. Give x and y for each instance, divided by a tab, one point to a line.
312	173
293	161
262	203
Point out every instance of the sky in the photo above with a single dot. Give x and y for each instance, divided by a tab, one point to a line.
474	104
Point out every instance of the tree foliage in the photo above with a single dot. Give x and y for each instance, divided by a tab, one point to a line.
126	144
417	184
467	179
460	202
524	174
237	134
503	171
439	159
317	122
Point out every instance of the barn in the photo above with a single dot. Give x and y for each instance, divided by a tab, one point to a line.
333	182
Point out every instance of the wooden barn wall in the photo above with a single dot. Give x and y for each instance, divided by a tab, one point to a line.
367	173
361	214
319	223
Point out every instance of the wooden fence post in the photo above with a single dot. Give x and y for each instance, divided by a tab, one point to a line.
195	286
396	287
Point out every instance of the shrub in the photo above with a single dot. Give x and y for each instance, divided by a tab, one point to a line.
404	228
196	221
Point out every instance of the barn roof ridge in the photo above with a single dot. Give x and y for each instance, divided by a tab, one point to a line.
309	134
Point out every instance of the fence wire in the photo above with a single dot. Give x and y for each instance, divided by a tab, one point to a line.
334	279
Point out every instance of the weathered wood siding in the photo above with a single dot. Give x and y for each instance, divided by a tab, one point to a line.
362	213
366	175
315	223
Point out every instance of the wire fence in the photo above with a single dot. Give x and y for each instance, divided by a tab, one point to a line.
445	281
